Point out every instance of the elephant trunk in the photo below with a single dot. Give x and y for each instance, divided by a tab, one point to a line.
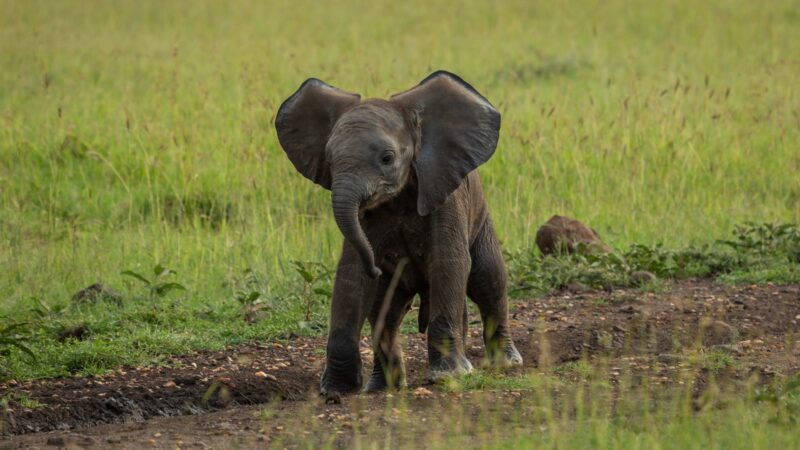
346	197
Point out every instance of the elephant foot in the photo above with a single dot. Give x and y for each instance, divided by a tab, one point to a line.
334	383
379	382
443	369
504	357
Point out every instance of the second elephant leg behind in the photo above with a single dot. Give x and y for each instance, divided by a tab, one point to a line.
388	369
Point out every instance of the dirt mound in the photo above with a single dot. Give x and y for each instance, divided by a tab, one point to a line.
563	234
190	384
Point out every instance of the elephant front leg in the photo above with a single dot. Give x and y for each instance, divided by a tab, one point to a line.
446	329
352	295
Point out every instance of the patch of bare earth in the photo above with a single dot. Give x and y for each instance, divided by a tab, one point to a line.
218	397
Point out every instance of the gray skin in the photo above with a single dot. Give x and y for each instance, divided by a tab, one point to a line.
407	198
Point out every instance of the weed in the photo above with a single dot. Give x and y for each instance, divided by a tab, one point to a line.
716	360
13	335
581	369
157	286
251	293
42	310
26	401
316	290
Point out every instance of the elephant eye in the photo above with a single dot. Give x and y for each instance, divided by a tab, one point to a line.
387	158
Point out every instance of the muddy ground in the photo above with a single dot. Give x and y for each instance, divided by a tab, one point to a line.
217	399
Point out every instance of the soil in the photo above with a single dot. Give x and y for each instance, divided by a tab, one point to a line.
211	399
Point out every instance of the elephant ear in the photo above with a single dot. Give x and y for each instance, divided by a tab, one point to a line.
304	123
460	129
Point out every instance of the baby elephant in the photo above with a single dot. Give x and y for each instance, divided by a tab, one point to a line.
407	198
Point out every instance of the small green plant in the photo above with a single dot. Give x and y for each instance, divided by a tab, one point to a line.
316	289
763	238
157	286
26	401
14	335
250	293
48	317
580	369
43	310
716	360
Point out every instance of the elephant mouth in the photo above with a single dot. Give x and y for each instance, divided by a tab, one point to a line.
373	202
383	194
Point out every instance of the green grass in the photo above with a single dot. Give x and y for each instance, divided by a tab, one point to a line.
484	381
742	427
140	133
533	411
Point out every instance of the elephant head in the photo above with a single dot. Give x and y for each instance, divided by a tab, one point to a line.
366	152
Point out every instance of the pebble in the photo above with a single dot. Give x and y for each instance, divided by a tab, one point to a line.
422	392
728	348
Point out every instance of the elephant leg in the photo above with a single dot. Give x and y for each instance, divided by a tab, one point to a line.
388	370
353	293
487	288
449	269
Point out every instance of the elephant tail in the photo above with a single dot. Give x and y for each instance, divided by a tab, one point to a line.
424	313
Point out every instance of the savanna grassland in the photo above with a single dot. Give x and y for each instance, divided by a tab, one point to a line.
137	149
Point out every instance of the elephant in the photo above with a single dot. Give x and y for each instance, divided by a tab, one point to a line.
408	200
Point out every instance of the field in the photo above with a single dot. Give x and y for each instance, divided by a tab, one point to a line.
137	149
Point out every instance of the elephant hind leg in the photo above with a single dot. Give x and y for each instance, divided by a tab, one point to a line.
388	369
487	288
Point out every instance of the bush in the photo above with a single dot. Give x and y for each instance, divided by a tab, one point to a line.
763	252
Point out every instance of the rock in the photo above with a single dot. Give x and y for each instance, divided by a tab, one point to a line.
56	441
97	292
642	277
717	332
78	332
562	234
422	392
575	288
262	374
85	441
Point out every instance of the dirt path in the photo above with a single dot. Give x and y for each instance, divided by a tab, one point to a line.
216	394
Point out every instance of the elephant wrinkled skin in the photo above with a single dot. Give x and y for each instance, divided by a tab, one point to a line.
408	200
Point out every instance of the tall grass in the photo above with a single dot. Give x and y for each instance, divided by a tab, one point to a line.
136	133
542	411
